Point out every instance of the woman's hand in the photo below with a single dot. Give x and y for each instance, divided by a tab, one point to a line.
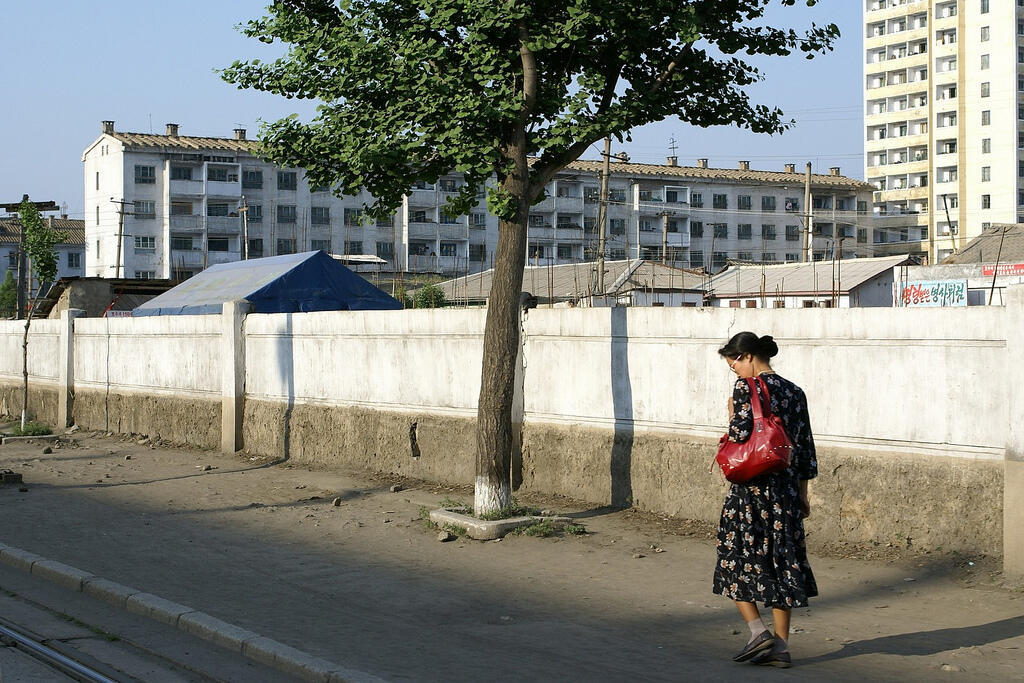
728	403
805	507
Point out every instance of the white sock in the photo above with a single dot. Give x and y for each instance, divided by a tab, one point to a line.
756	627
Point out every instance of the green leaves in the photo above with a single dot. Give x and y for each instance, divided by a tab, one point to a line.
40	241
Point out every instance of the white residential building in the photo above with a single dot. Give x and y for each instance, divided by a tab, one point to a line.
182	199
943	120
70	252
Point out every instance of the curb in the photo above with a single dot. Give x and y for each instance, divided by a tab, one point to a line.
15	439
251	645
488	530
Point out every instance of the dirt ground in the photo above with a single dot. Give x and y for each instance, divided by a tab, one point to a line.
366	583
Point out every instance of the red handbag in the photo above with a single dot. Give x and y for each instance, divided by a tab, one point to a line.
768	448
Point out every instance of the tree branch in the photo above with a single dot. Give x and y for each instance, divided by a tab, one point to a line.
530	79
669	70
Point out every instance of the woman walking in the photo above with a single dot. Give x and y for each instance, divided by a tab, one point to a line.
761	552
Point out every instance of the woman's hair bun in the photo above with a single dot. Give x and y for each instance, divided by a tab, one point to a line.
769	349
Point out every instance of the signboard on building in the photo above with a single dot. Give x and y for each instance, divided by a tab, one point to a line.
1004	269
934	293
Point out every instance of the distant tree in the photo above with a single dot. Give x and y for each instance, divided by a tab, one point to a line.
430	296
8	297
40	241
411	91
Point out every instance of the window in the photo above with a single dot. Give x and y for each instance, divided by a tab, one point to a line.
97	217
74	259
616	194
181	243
718	259
986	145
767	203
320	215
985	34
320	245
386	250
256	248
743	202
986	61
696	258
217	174
386	222
97	180
719	201
181	208
144	209
477	252
743	232
144	244
767	232
252	179
616	254
589	224
319	188
696	199
355	217
355	247
647	225
792	257
446	185
418	216
745	256
675	196
447	219
536	251
145	175
144	274
986	174
986	201
862	206
181	173
617	226
285	246
286	214
984	6
217	209
478	220
986	117
422	185
792	233
792	204
217	244
696	229
721	230
564	251
986	89
287	180
254	213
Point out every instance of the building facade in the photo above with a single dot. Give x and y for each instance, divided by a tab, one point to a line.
167	206
70	252
942	120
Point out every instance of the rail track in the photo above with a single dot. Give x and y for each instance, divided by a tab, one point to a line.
11	637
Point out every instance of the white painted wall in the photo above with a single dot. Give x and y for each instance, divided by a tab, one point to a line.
43	342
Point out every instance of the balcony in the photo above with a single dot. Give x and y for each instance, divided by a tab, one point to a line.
215	257
186	223
187	188
422	198
223	224
548	205
569	231
569	204
218	188
540	232
436	231
187	258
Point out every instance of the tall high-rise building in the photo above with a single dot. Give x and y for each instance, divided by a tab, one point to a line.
942	120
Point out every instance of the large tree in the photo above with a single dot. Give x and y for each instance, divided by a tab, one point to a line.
504	89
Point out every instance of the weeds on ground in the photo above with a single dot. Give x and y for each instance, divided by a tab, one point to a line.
425	516
449	503
455	529
31	429
516	509
546	529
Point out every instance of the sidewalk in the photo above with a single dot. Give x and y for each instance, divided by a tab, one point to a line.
366	585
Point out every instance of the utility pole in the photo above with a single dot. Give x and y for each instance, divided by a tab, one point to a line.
244	210
24	275
809	222
602	214
664	235
949	226
120	231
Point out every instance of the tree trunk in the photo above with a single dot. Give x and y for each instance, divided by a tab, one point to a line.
494	439
24	370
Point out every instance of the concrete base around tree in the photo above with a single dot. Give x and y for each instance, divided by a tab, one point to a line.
488	530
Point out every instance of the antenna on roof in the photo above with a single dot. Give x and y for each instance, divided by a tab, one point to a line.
150	124
672	144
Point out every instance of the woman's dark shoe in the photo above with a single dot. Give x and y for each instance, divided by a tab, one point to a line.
757	645
781	660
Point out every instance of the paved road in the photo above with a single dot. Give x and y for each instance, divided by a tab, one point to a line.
365	585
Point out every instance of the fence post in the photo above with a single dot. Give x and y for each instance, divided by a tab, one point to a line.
1013	473
232	403
66	367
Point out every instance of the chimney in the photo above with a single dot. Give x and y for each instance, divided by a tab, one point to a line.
702	163
108	127
833	171
673	161
172	130
239	133
622	157
744	165
790	168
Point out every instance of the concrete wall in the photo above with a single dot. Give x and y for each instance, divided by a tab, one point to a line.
910	407
42	367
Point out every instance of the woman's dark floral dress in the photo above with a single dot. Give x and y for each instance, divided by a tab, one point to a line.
761	551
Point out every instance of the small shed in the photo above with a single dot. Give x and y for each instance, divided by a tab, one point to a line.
294	283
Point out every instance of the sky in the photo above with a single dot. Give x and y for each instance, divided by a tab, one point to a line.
68	65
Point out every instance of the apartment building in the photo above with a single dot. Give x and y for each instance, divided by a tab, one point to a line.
70	251
167	206
942	90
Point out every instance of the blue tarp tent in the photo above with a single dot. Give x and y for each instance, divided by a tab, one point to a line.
311	281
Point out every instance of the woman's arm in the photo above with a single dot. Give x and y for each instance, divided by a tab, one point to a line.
741	420
805	502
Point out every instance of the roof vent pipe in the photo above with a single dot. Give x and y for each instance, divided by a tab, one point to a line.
673	161
833	171
239	133
702	163
744	165
108	127
790	168
172	130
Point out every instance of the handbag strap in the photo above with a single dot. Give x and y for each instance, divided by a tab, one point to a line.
753	383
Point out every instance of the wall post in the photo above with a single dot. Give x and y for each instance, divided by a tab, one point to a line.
232	403
1013	475
66	367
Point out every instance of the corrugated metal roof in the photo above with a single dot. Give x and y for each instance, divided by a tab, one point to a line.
180	142
985	247
574	280
799	278
74	229
727	174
